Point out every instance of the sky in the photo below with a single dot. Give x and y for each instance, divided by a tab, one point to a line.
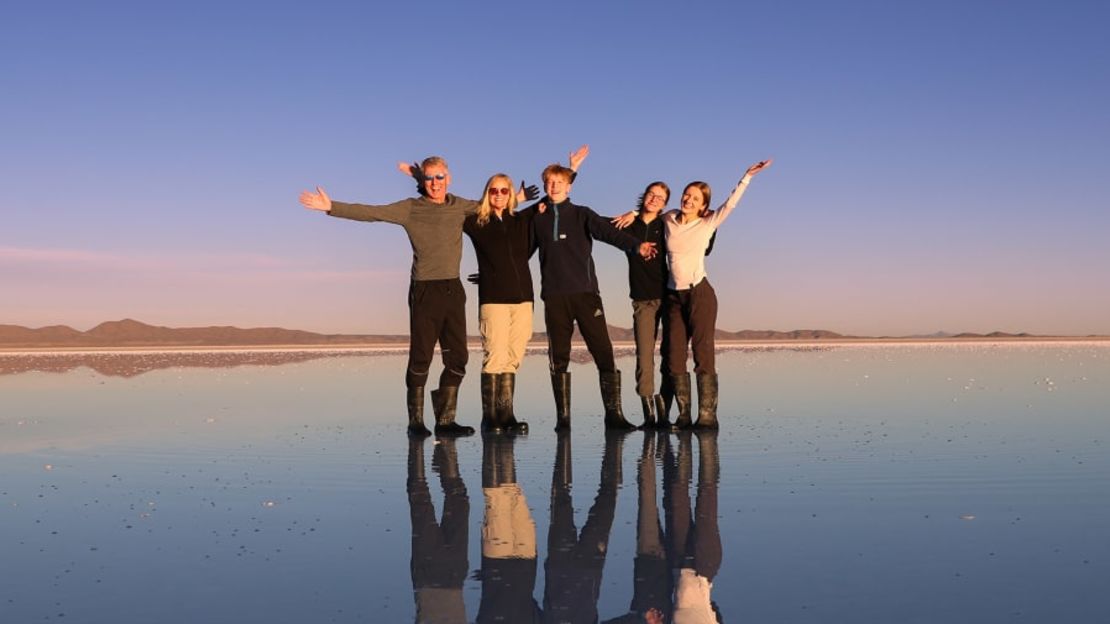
938	166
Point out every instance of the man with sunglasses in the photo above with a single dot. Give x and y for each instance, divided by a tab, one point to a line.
437	302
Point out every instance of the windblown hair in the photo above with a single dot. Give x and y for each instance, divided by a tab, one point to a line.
484	208
660	184
557	169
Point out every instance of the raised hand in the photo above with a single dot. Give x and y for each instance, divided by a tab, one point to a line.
527	193
316	201
578	155
759	166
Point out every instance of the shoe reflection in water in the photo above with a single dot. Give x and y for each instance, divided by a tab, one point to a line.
439	549
572	571
508	573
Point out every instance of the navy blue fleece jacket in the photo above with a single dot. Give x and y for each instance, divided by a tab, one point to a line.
565	236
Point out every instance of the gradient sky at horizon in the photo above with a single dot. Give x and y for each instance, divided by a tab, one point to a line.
938	166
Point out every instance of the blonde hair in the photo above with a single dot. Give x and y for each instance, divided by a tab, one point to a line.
484	207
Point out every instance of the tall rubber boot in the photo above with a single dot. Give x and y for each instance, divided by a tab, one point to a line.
707	402
648	403
611	398
415	400
682	400
560	386
444	402
489	398
664	400
503	404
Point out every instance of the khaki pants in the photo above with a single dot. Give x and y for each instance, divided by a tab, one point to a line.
506	329
508	531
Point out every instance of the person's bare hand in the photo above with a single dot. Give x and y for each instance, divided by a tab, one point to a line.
578	155
648	251
624	220
316	201
759	166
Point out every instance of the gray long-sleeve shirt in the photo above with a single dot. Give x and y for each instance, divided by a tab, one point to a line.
435	230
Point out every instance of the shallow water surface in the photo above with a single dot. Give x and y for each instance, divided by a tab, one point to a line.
927	483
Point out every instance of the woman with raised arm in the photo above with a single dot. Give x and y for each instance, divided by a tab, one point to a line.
691	300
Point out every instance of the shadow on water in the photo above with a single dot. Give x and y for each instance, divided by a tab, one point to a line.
676	559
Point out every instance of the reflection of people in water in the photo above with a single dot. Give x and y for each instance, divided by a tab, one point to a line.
693	548
439	550
508	539
651	588
575	560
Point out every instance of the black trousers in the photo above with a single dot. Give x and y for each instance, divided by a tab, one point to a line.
437	313
692	315
561	312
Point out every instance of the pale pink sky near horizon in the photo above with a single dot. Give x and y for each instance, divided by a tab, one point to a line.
81	288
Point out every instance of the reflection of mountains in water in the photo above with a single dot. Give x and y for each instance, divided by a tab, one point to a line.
123	364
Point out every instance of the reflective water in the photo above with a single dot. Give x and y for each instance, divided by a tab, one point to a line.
962	483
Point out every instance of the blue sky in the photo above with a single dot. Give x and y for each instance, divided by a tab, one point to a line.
937	166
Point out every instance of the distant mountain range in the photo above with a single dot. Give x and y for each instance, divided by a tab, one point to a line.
134	334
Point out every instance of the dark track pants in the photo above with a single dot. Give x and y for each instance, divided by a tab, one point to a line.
692	315
437	313
561	312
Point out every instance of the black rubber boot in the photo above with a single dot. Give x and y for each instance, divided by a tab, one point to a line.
611	398
560	386
415	402
662	422
682	400
444	402
707	402
503	405
489	397
649	412
664	400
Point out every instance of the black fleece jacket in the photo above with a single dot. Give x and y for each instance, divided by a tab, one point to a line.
565	235
503	247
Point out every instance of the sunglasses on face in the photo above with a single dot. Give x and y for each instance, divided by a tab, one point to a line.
498	190
438	176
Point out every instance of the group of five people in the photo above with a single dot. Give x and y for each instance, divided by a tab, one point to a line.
667	281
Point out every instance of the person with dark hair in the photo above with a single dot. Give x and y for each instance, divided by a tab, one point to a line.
691	300
564	233
647	283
